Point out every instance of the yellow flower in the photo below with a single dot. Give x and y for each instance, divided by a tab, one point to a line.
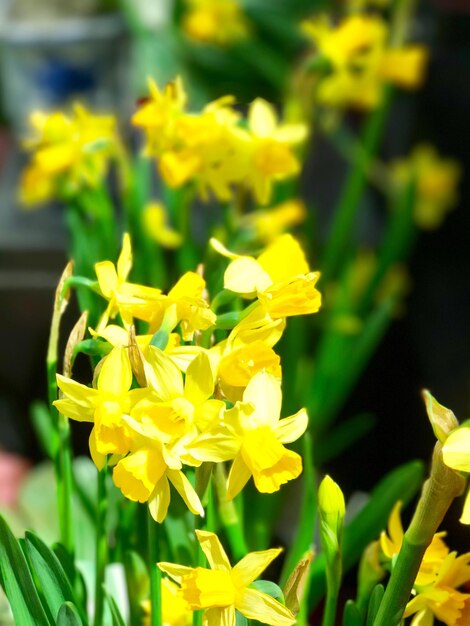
280	277
433	558
268	224
271	155
456	455
219	22
252	434
436	184
441	599
246	351
156	226
159	114
69	154
223	589
128	299
361	62
175	610
104	406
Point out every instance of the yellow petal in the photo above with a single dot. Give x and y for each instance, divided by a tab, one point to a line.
246	276
163	375
74	411
291	428
124	263
213	550
252	565
107	278
175	571
138	474
238	476
186	491
219	617
264	391
116	372
262	118
456	450
283	259
221	249
160	500
76	392
254	604
199	384
465	517
215	448
97	458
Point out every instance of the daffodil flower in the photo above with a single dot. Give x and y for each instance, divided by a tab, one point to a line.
219	22
252	435
280	277
175	610
104	406
222	590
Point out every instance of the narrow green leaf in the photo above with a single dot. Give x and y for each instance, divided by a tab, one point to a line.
54	585
341	437
351	615
270	588
74	576
18	583
118	620
45	428
240	620
138	583
68	616
374	603
305	529
402	484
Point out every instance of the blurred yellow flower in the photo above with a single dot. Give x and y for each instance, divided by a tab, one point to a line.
441	599
361	61
268	224
223	589
156	226
433	558
219	22
69	154
436	182
175	610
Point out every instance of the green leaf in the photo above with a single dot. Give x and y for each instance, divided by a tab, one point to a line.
400	484
68	616
351	615
270	588
240	620
18	583
45	428
374	603
138	583
115	613
55	587
341	437
308	514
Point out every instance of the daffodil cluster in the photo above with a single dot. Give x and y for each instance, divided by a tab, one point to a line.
217	149
218	22
359	60
438	586
70	153
162	402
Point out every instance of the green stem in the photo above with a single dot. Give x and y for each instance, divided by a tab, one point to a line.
348	205
101	554
331	601
229	516
437	495
154	549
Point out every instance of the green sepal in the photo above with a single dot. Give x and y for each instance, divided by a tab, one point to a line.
17	582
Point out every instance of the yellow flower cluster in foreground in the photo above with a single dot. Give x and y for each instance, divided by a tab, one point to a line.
441	574
193	403
360	60
214	148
